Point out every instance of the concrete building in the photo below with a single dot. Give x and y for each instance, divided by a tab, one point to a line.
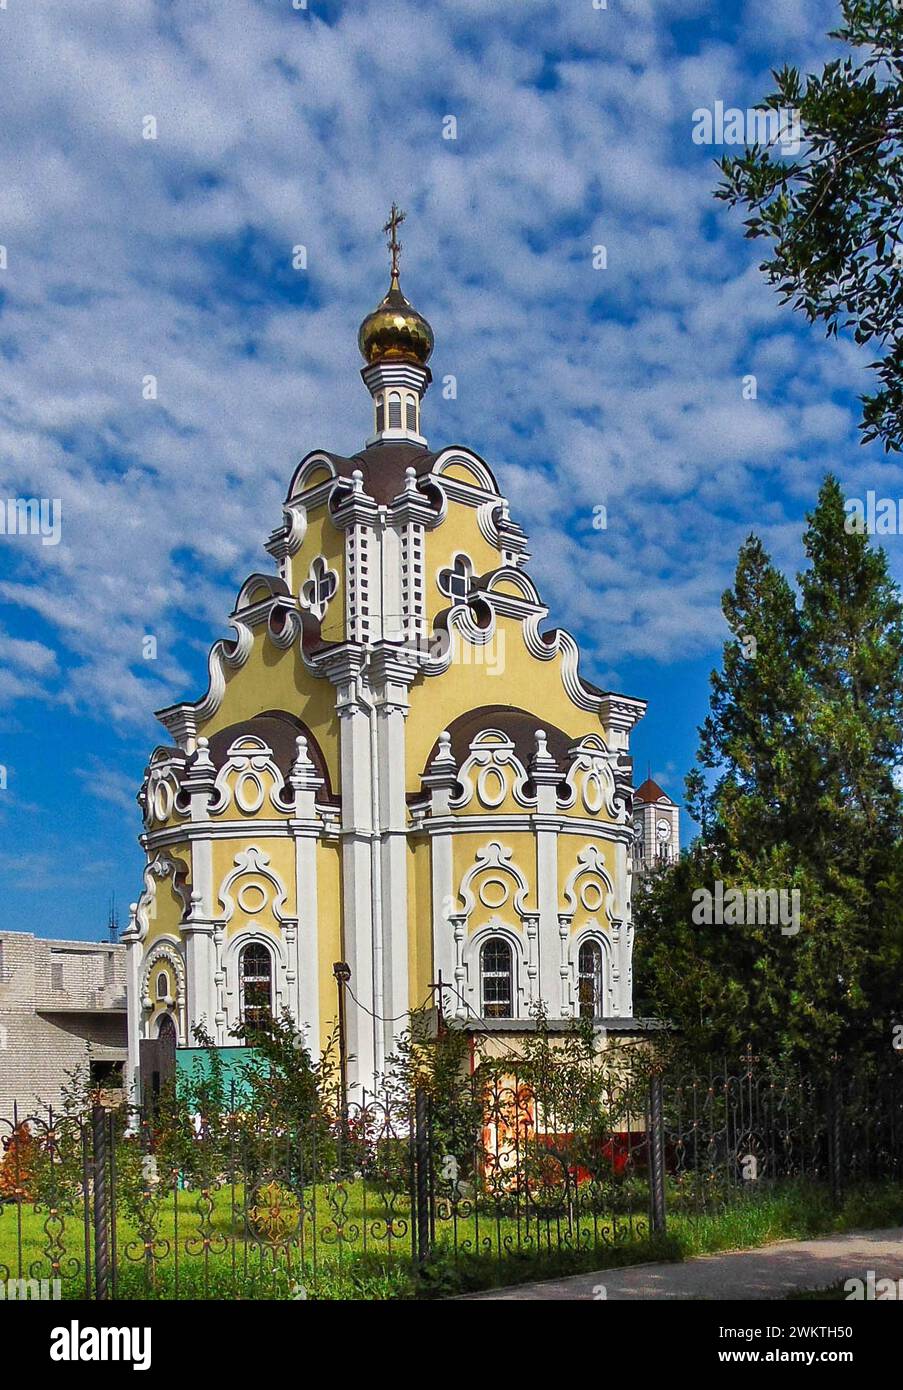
62	1004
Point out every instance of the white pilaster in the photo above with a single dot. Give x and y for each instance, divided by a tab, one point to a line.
391	675
197	929
546	776
344	668
200	970
441	779
133	1005
306	947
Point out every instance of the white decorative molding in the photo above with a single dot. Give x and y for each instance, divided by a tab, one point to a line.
501	532
486	512
471	493
165	951
490	771
249	763
253	862
527	590
311	463
496	862
159	793
295	528
562	644
161	867
224	655
182	720
591	782
596	893
283	636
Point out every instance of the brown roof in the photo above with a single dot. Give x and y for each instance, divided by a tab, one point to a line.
508	719
384	467
651	791
279	730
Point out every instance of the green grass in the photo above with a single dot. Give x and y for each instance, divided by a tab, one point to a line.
355	1246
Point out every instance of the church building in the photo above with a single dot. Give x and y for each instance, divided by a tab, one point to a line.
397	764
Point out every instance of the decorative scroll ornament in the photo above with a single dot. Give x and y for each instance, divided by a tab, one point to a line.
223	654
254	897
591	781
502	881
248	778
560	642
490	771
161	786
589	888
160	868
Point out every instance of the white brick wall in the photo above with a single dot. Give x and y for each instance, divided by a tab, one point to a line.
47	1032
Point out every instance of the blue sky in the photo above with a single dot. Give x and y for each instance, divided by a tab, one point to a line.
172	257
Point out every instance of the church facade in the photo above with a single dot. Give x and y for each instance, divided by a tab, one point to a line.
397	764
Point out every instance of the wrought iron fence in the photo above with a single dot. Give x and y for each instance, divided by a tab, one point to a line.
360	1200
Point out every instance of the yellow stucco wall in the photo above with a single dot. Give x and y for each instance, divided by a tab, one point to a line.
278	680
329	926
420	918
166	912
322	538
522	843
525	682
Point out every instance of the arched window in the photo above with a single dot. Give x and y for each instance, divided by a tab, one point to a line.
411	413
166	1031
256	985
162	985
496	979
380	414
394	411
590	983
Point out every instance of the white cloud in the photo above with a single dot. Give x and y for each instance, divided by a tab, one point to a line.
171	257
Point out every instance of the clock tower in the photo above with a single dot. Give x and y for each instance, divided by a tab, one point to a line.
656	823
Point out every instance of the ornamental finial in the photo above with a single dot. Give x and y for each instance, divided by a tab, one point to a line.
396	217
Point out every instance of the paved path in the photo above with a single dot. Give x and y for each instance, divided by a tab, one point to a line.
770	1272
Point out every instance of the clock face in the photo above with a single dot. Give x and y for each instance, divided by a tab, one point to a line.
663	830
638	829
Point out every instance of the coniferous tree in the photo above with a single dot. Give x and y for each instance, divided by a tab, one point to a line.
804	731
830	213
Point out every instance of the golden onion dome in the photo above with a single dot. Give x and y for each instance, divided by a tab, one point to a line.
395	332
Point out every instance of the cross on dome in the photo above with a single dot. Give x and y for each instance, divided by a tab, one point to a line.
396	217
396	343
